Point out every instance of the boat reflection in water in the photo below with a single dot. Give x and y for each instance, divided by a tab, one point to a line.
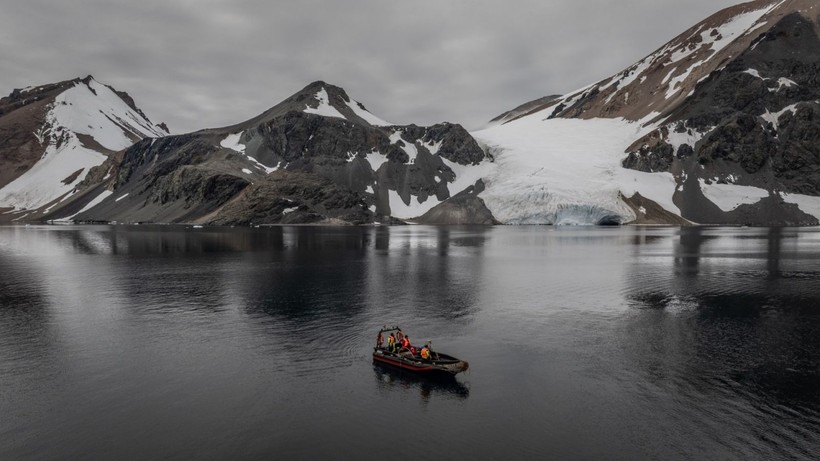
447	386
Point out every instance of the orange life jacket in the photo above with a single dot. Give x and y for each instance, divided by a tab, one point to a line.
425	353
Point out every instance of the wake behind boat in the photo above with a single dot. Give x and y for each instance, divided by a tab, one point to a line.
400	353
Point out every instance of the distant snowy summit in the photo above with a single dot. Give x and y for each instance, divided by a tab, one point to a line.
719	126
54	135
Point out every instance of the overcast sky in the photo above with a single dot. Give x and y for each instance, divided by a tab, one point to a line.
208	63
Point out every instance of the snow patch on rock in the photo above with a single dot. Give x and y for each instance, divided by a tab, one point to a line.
324	108
96	201
366	115
433	147
232	142
730	196
773	117
673	85
262	166
689	136
733	29
376	160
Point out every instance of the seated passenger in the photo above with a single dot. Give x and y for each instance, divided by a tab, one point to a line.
425	352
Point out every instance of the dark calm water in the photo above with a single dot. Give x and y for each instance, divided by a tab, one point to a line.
584	343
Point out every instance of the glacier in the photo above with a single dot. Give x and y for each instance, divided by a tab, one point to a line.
567	171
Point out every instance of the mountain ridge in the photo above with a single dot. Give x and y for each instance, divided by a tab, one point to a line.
717	126
366	169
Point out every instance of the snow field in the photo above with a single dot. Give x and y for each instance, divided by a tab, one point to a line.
44	181
730	196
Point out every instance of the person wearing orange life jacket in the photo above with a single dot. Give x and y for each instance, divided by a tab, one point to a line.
379	340
405	342
425	352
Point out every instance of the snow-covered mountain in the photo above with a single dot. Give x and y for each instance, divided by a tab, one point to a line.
720	125
51	136
318	156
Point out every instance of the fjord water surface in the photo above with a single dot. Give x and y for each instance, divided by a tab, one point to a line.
147	342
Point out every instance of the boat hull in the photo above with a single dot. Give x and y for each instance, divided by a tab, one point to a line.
445	363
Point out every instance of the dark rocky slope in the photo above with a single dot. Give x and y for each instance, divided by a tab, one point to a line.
261	171
755	123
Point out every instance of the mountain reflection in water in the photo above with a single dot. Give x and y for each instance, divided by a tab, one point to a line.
583	343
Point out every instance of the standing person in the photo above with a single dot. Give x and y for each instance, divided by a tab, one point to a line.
405	343
391	343
399	336
379	340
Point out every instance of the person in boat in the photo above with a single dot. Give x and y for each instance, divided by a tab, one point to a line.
379	340
399	336
425	352
405	344
391	343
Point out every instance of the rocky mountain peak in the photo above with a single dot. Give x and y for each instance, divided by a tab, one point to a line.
329	100
659	83
319	99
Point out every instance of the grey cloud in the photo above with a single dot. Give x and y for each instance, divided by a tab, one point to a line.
208	63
